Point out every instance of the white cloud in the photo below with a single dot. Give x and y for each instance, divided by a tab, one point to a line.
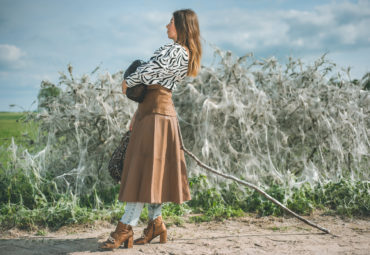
330	27
10	56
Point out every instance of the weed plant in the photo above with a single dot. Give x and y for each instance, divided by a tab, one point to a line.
28	207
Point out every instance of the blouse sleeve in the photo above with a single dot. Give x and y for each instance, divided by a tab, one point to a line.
156	69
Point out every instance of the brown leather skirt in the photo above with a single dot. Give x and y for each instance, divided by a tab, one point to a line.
154	169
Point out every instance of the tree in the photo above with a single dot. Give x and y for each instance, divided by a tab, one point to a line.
47	93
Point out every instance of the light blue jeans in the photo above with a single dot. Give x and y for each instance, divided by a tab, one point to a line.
133	211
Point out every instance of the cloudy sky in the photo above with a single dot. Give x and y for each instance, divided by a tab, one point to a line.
39	38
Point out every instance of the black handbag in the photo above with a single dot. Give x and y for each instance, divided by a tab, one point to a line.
137	92
115	165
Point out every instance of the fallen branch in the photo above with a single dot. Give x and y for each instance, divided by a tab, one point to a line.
227	176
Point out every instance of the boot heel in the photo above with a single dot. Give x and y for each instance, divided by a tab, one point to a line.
163	237
129	242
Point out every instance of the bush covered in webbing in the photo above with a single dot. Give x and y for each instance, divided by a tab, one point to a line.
281	127
265	122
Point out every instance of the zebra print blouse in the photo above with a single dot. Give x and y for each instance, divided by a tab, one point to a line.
167	66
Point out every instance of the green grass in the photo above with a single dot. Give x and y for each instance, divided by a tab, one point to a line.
28	203
12	125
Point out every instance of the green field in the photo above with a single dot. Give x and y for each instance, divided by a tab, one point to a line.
11	125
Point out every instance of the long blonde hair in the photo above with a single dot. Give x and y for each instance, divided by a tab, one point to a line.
188	34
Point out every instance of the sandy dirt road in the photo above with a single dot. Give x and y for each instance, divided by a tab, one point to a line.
247	235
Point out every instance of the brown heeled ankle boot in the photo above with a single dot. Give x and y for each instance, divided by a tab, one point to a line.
155	228
123	233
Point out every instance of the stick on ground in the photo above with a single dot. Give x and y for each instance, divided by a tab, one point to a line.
227	176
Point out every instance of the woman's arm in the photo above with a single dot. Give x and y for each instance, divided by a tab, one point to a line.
153	71
168	66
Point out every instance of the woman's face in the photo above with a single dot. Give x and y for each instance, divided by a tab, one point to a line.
171	30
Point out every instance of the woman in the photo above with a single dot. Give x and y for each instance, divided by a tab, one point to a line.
154	169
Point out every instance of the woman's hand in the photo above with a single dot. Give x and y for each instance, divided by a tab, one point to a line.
132	121
124	87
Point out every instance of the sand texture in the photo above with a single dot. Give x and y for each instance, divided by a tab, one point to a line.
247	235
